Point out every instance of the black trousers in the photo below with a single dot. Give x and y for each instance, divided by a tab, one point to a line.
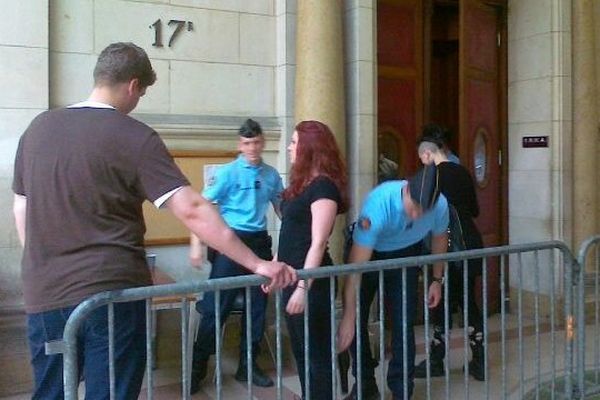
319	339
222	266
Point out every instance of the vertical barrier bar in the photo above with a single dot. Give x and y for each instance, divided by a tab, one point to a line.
520	323
427	338
111	349
381	334
569	328
278	350
359	355
580	293
446	332
332	336
185	322
596	313
485	328
218	343
306	343
503	322
538	353
404	338
249	355
553	332
465	278
149	351
70	377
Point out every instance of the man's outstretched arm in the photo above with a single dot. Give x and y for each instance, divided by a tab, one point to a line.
204	220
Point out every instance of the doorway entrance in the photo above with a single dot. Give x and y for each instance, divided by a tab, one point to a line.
444	61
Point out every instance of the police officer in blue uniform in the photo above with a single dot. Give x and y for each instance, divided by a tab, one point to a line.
243	190
396	216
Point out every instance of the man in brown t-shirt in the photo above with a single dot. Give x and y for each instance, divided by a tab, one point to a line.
81	176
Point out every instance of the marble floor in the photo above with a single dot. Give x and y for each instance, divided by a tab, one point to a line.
528	364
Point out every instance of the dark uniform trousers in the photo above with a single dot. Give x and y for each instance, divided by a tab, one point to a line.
402	324
222	266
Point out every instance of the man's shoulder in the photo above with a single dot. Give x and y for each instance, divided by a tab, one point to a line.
386	189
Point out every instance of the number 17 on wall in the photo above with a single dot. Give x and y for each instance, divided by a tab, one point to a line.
179	25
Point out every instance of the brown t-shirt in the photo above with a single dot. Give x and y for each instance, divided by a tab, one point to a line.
85	173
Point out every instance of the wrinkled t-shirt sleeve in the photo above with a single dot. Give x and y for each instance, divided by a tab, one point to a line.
17	185
157	171
324	188
369	224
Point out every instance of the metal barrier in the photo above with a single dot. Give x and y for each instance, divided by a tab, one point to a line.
541	363
588	374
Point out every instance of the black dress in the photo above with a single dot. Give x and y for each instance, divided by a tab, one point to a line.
294	243
457	185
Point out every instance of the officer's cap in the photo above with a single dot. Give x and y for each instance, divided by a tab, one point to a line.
424	187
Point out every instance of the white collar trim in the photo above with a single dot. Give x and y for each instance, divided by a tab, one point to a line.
91	104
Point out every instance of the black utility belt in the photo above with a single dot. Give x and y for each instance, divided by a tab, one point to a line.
255	239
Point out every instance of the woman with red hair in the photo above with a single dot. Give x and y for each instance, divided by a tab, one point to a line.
316	194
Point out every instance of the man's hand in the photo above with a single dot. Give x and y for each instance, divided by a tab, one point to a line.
435	294
281	274
346	331
295	304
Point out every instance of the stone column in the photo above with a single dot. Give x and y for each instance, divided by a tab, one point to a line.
319	93
585	123
320	65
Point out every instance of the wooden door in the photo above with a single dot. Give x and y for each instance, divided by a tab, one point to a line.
480	120
400	81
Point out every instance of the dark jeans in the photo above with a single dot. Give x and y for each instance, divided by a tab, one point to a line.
222	266
319	339
455	282
401	325
92	351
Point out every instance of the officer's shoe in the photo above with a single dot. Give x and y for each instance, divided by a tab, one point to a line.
199	370
259	378
436	369
477	363
370	392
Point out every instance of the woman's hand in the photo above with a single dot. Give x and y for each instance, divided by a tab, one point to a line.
346	331
295	304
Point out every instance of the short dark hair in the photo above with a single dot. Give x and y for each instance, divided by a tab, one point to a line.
250	129
121	62
434	133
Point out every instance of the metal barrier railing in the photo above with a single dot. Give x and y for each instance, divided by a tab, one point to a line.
589	278
549	370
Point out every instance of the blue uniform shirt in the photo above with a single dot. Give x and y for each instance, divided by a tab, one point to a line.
383	224
243	192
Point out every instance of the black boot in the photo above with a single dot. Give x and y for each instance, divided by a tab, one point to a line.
477	363
343	360
259	377
370	392
199	369
437	352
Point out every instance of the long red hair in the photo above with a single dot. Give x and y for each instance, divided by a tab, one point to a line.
317	154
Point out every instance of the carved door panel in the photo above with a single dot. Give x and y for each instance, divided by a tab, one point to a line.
480	120
400	80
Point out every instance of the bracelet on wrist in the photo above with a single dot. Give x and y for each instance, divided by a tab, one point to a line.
438	280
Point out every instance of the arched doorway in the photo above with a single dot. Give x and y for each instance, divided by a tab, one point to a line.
444	61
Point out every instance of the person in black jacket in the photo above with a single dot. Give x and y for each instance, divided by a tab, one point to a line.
457	185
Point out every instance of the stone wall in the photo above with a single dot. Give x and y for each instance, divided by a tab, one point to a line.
539	104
